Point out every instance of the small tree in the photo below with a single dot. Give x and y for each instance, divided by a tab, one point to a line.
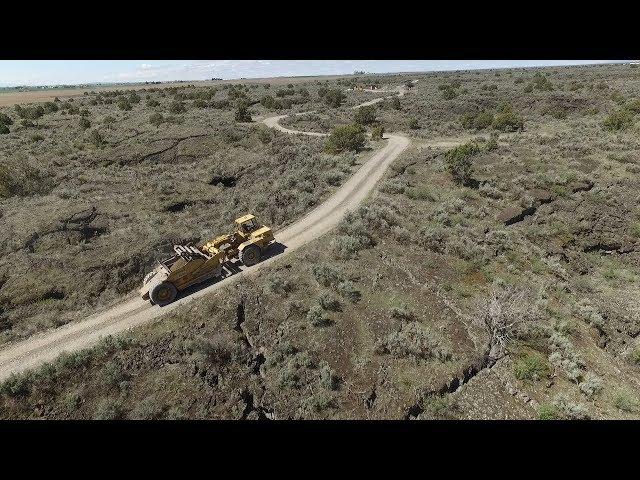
346	137
365	115
377	132
269	102
242	112
334	97
458	161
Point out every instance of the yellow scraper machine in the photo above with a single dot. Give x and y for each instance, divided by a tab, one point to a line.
191	265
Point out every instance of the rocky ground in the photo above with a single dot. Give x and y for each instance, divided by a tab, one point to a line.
493	275
93	191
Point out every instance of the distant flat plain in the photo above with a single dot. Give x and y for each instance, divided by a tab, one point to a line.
36	96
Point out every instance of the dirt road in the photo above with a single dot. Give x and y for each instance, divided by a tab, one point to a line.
46	346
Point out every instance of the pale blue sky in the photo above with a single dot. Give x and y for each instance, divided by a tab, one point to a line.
54	72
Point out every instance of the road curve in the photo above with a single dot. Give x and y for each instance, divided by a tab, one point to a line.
46	346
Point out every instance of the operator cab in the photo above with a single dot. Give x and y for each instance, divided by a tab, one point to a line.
247	224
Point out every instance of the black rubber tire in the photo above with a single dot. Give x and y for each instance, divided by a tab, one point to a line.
163	294
251	255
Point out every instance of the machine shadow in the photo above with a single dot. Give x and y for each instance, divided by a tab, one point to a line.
232	268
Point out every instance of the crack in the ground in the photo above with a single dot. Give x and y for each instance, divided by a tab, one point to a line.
452	385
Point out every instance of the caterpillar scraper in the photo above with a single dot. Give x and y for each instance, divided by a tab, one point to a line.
196	264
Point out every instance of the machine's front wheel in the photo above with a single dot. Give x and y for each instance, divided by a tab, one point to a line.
251	255
163	294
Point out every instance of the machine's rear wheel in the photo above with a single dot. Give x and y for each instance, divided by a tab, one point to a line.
251	255
163	294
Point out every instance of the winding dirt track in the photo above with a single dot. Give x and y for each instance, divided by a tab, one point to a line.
46	346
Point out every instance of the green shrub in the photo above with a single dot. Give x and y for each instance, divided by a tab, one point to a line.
635	356
134	97
334	97
3	129
365	115
269	102
156	119
507	121
177	107
124	104
346	137
242	112
620	120
17	385
27	123
5	119
265	134
315	316
414	124
22	180
377	133
108	120
449	94
414	340
36	138
113	374
548	412
328	379
402	312
348	290
31	112
108	409
395	103
345	246
280	284
531	367
328	302
458	162
618	98
281	92
570	410
633	106
541	82
624	402
591	384
95	138
84	123
151	103
477	121
325	275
